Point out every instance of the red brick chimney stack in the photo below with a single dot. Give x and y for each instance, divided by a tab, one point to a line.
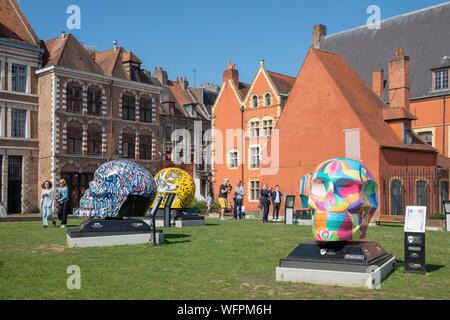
399	80
378	82
231	73
319	32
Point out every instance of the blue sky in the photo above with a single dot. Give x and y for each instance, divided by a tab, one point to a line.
181	35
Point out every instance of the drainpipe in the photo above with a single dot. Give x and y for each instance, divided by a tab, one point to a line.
242	144
443	125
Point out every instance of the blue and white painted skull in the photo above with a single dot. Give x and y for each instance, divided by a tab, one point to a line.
113	183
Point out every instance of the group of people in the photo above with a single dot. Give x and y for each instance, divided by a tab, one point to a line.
266	197
48	198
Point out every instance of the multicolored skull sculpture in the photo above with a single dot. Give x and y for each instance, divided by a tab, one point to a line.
113	183
174	180
343	196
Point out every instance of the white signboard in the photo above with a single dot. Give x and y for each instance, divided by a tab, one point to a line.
416	219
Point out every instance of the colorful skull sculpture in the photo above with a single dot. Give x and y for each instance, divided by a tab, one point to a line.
344	198
174	180
113	183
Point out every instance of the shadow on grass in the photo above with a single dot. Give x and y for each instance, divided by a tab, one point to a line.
430	267
176	236
212	225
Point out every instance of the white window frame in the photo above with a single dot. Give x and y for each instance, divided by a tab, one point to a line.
28	80
250	156
252	128
27	121
252	101
238	162
352	151
265	99
250	190
441	72
265	127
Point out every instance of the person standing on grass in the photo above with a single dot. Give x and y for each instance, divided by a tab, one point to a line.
238	199
63	202
209	200
225	189
265	202
277	196
47	202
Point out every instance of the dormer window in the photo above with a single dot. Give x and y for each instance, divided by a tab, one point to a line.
441	79
407	134
268	100
255	101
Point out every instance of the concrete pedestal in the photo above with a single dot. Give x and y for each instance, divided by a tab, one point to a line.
114	240
371	280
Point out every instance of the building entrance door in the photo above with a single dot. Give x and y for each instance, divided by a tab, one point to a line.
14	184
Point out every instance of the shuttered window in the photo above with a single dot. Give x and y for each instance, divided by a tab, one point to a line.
352	144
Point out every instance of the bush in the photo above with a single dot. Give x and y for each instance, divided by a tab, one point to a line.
198	205
436	216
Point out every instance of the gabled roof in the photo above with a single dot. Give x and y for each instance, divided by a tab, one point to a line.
181	95
365	104
14	25
282	82
107	60
423	34
66	51
243	89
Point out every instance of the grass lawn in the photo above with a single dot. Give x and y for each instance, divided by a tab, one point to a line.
225	260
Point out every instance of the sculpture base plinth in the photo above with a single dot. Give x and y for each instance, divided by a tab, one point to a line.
348	264
112	232
180	219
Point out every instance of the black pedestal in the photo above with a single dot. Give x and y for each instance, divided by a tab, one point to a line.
109	227
350	256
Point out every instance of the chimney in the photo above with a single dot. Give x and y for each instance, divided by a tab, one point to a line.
399	80
184	83
378	82
319	32
115	45
161	75
231	73
63	34
261	63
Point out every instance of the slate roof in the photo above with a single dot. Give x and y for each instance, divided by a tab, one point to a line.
14	25
424	35
282	82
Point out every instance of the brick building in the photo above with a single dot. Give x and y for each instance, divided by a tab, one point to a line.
94	107
423	35
251	111
20	57
332	112
185	107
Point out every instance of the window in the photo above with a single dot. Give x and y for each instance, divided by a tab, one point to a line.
254	157
441	80
74	99
233	159
254	190
145	109
18	78
427	137
18	123
407	134
352	144
397	207
94	102
95	142
254	129
421	193
255	101
268	100
128	147
74	140
145	147
267	127
128	108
